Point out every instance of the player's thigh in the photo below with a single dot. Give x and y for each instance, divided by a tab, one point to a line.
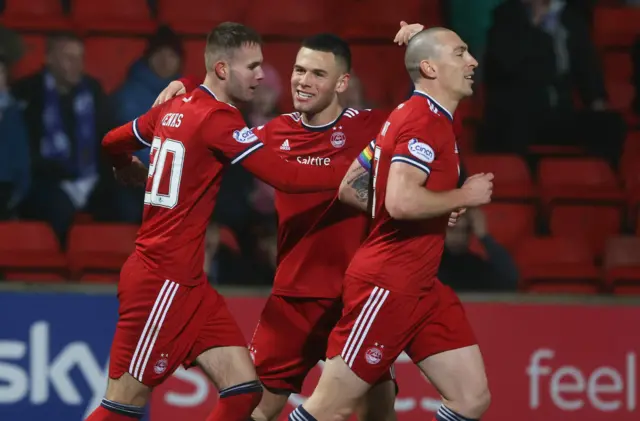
378	403
303	324
220	348
446	351
153	334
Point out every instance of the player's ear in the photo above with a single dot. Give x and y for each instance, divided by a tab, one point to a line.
427	69
221	70
343	83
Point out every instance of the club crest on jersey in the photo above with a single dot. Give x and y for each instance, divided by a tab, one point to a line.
422	151
161	365
338	139
244	136
373	355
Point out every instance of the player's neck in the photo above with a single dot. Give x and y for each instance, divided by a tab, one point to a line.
217	90
324	117
441	98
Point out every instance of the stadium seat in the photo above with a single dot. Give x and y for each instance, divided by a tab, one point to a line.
229	240
35	15
616	26
578	181
194	57
509	223
617	65
99	248
620	94
33	58
100	278
201	16
550	264
592	225
381	18
622	263
36	277
512	177
291	18
30	247
108	59
128	16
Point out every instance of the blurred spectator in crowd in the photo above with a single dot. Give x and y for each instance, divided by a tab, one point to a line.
464	270
537	52
14	143
264	106
68	115
148	76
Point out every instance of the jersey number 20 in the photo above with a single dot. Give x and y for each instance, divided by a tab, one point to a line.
158	193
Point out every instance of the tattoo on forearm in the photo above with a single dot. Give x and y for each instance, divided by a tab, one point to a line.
360	183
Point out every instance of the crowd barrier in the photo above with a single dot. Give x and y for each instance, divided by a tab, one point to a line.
552	361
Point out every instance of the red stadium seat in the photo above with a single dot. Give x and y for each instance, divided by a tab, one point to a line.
33	58
108	59
194	58
622	263
128	16
295	18
616	26
578	180
620	94
100	278
512	177
617	66
381	18
592	225
100	248
556	264
38	15
201	16
30	247
36	277
509	223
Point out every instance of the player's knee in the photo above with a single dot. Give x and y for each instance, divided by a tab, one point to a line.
474	402
127	391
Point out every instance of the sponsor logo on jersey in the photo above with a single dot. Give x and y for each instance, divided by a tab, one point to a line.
245	135
338	139
285	145
422	151
314	160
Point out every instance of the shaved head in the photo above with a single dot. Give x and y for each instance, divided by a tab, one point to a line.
424	45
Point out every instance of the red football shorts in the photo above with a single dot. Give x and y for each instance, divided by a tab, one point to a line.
377	325
290	339
163	324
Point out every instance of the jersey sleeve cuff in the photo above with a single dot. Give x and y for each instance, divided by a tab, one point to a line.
411	161
251	149
138	136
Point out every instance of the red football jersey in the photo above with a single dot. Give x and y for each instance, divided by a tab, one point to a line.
317	234
404	256
193	139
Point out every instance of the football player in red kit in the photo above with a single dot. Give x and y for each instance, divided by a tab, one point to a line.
169	314
305	301
393	301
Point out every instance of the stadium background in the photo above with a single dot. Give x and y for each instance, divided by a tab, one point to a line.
561	345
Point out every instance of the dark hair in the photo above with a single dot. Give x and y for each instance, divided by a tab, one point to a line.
330	43
62	36
164	37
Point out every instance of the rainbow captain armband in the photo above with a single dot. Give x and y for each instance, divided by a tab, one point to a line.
366	156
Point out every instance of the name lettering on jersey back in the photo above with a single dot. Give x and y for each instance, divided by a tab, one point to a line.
314	160
172	120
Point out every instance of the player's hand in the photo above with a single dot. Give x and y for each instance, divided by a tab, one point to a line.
406	32
453	218
175	88
478	189
134	174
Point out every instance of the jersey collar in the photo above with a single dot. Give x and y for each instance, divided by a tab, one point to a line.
324	126
435	103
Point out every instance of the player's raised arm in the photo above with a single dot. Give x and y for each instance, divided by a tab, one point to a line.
406	196
354	188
